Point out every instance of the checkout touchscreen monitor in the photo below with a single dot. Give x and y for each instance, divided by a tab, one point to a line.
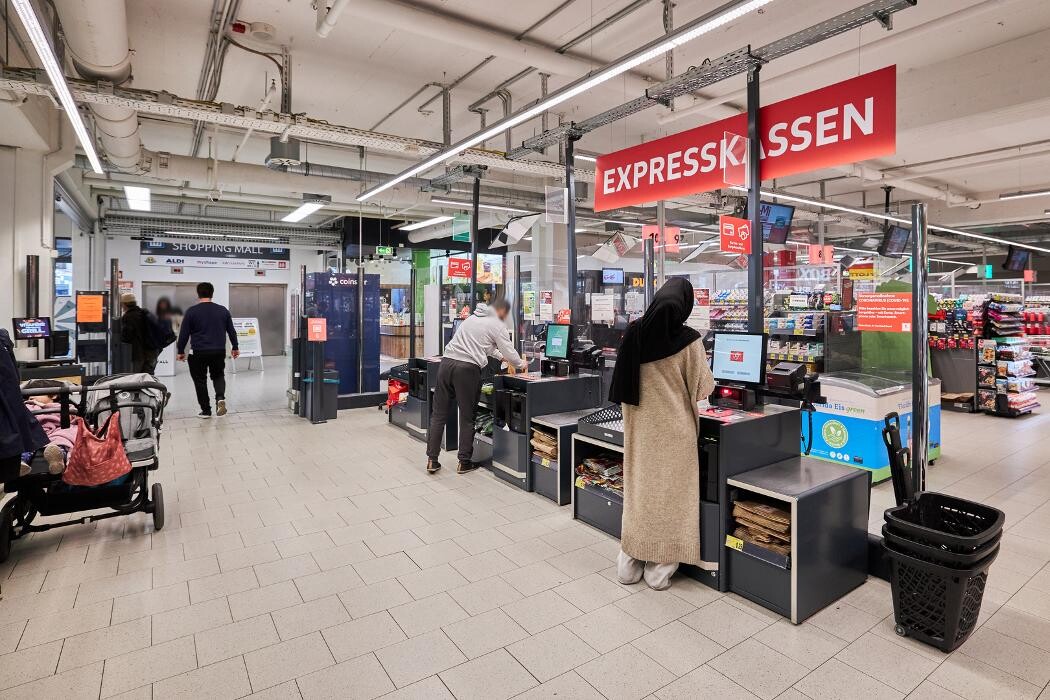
559	337
739	357
32	328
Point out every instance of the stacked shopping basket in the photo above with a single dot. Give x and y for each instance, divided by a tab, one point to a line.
941	548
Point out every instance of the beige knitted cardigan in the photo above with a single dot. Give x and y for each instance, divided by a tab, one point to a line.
661	516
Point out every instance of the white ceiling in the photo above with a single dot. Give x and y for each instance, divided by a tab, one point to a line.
972	78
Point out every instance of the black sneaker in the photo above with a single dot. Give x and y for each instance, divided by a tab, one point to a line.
465	467
202	414
433	466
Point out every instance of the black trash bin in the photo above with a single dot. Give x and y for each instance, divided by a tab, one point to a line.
329	396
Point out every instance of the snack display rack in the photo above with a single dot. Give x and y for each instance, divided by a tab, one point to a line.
1005	366
1037	329
728	310
953	353
825	341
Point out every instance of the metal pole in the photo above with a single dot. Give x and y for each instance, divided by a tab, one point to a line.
412	313
821	225
755	273
519	321
115	355
446	115
920	425
360	327
647	266
32	286
570	226
661	255
474	244
441	318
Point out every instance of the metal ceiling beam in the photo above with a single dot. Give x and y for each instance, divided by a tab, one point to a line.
733	63
27	81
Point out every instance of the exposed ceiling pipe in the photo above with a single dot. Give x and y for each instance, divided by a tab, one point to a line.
328	16
427	22
205	173
96	33
263	106
871	175
851	56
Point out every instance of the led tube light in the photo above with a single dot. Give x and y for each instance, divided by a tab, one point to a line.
709	22
304	210
47	57
424	224
138	198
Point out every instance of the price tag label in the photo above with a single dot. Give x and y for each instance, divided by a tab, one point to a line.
545	461
734	543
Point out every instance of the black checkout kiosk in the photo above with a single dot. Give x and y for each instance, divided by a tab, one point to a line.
750	451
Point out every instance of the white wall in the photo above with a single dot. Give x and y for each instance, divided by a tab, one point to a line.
127	251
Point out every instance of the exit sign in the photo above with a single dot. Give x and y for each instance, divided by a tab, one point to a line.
384	250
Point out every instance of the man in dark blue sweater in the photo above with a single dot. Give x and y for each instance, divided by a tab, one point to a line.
206	326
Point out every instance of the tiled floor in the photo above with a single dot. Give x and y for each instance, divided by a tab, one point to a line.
321	561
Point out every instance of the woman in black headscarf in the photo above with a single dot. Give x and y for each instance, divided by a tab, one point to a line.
661	372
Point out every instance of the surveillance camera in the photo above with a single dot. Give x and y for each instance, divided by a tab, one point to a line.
214	195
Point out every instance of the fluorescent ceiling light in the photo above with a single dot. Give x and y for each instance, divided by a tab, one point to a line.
581	230
304	210
654	49
47	57
254	238
895	219
580	156
137	197
424	224
468	205
1023	195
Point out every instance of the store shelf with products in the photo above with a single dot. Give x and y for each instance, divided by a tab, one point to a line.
1005	364
826	341
953	353
597	491
1037	328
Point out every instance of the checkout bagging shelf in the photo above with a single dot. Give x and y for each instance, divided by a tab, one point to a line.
552	466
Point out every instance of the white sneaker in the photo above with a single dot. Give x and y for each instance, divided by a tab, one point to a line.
658	576
628	569
220	407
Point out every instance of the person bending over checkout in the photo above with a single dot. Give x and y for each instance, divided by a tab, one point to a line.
480	336
661	373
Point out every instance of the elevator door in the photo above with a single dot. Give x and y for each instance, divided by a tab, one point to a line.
182	295
265	302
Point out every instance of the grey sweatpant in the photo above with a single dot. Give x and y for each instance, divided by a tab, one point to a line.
459	381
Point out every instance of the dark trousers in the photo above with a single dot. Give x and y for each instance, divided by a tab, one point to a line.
459	381
201	365
146	363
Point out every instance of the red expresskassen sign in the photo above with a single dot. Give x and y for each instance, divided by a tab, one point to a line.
842	123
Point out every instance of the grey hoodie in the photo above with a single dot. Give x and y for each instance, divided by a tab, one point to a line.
480	336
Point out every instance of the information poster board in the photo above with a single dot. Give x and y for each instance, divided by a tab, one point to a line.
90	307
528	304
602	308
317	330
884	311
249	339
546	305
700	317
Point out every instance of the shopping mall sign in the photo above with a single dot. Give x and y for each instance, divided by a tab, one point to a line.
843	123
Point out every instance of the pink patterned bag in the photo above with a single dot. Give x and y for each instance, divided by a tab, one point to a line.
96	458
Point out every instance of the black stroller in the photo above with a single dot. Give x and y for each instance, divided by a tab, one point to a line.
140	400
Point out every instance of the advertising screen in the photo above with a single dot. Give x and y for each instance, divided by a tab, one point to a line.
612	275
895	241
739	357
32	328
776	221
1016	259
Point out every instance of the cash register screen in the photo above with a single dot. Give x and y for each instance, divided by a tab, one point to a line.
558	337
739	357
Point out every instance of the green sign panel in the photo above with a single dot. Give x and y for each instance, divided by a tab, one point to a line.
384	250
461	228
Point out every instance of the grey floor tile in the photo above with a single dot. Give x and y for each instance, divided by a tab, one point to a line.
235	639
362	678
890	663
807	644
704	682
758	668
190	620
367	600
625	674
495	676
137	668
309	617
567	685
678	647
362	635
225	680
105	643
81	683
427	689
417	658
724	623
541	611
834	680
484	633
551	653
282	662
428	614
29	664
607	628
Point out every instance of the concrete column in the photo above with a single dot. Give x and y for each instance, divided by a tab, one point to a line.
27	206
